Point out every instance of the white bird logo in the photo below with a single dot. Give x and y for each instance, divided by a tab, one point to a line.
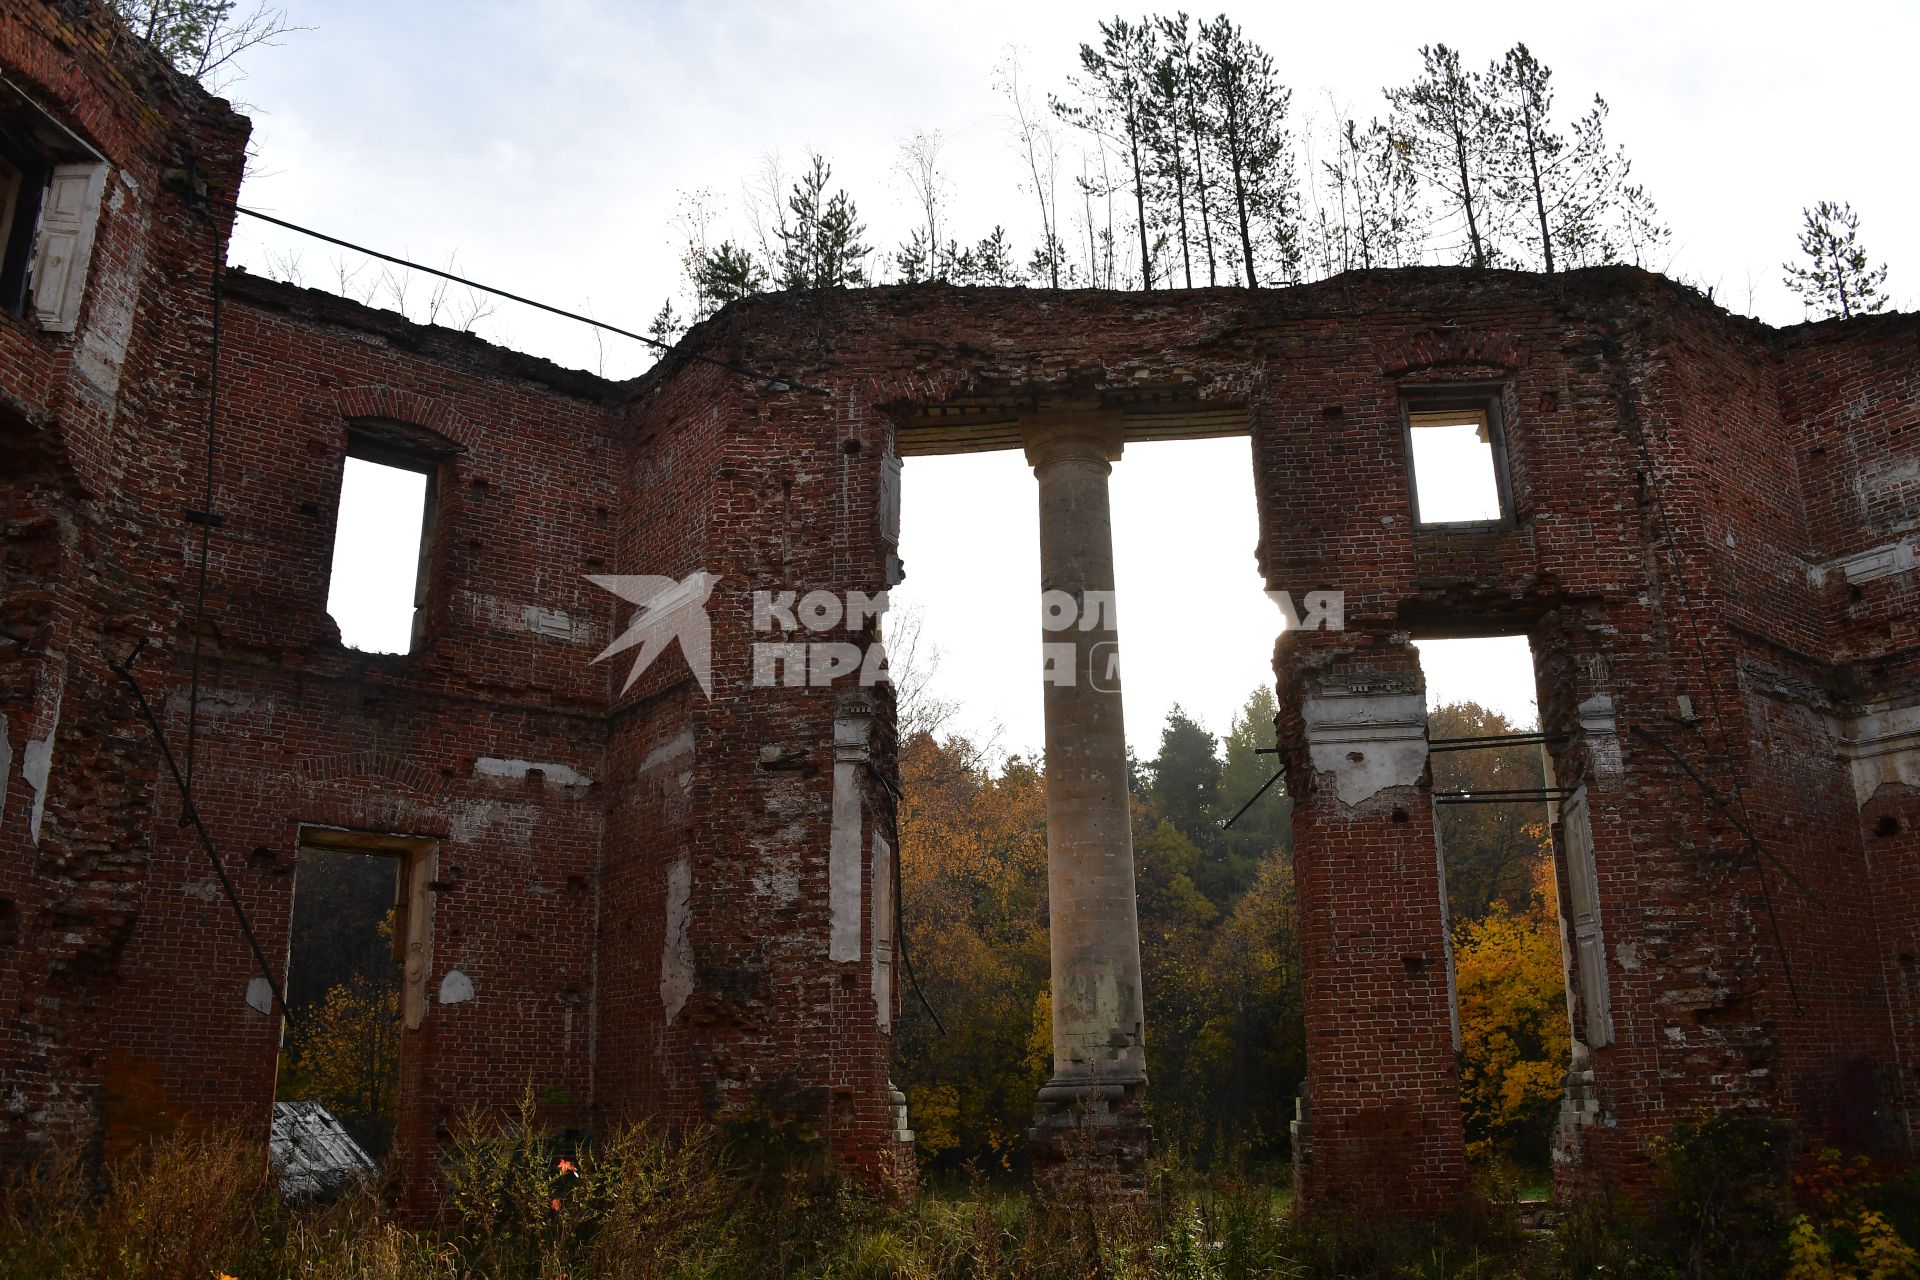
669	610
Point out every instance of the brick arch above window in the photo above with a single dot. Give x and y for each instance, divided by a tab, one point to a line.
1474	350
383	765
401	405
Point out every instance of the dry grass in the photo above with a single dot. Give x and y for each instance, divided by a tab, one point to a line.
642	1204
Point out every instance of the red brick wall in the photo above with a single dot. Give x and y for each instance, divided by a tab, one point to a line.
1674	473
91	425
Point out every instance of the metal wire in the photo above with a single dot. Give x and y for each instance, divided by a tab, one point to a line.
773	381
192	814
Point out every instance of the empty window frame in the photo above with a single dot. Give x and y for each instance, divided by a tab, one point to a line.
1456	460
383	534
50	188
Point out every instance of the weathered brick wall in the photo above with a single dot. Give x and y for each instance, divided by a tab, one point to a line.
717	867
92	426
1658	558
641	883
1851	394
489	737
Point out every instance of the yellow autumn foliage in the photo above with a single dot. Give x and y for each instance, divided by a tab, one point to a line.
1513	1023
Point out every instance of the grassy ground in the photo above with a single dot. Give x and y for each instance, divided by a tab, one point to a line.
521	1206
638	1205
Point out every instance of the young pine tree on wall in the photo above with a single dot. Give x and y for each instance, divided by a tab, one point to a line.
1444	124
1170	156
1565	191
1836	278
1189	88
202	38
1246	125
820	241
1114	104
1371	213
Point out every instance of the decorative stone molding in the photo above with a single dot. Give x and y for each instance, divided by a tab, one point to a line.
1600	731
1864	566
1370	735
1880	746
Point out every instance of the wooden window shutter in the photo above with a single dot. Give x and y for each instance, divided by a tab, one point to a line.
65	243
1583	920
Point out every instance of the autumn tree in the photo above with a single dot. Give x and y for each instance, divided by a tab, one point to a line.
1514	1042
1219	946
1490	849
344	1053
973	864
1836	279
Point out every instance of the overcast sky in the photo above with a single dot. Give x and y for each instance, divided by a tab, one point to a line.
550	145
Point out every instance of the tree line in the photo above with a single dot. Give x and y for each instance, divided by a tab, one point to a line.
1220	949
1175	156
1188	127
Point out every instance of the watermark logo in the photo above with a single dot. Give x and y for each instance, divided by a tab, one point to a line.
1089	611
1324	611
795	664
669	610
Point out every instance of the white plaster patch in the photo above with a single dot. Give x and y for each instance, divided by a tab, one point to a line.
562	775
214	702
1367	741
676	953
883	918
513	615
673	748
36	766
101	351
844	841
207	891
1628	956
478	819
260	997
552	623
455	988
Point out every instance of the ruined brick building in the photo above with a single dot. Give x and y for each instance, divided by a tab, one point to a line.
675	900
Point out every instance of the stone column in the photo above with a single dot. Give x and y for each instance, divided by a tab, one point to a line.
1090	1132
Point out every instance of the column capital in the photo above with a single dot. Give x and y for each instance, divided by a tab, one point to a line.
1072	433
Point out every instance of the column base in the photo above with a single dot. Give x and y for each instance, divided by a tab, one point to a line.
1091	1142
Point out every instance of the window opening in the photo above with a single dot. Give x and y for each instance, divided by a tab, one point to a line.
1456	466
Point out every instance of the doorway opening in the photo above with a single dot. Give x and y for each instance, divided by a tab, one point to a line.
355	982
1495	807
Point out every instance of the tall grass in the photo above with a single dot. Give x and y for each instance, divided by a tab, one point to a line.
522	1203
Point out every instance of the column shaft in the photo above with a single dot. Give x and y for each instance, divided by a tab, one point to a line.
1099	1024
